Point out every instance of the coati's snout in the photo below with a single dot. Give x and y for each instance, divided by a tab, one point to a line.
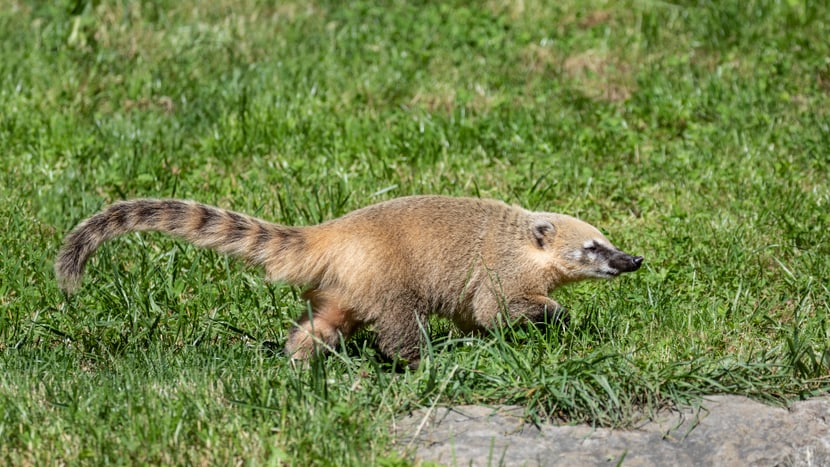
624	262
602	260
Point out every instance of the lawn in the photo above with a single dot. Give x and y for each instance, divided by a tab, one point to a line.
694	133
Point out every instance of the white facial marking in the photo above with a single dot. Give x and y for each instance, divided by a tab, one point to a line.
588	244
575	255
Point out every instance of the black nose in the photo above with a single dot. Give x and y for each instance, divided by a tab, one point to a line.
637	260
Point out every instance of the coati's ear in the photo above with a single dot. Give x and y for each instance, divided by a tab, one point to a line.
541	229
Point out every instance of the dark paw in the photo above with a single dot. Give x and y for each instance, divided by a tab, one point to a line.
558	317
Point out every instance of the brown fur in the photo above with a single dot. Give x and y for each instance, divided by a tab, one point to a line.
390	264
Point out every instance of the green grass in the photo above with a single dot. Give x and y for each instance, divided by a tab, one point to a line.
695	133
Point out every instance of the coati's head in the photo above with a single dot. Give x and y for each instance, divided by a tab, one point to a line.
577	250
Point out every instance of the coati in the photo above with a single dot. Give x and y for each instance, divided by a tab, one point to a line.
389	264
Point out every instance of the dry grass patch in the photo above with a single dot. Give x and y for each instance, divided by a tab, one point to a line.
600	76
597	74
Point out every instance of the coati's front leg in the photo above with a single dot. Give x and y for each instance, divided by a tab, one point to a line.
330	321
538	310
489	310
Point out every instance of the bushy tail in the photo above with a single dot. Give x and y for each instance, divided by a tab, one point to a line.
228	232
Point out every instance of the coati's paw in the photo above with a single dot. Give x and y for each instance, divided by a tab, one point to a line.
301	346
558	317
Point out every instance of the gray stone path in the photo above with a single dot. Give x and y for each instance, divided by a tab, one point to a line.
726	431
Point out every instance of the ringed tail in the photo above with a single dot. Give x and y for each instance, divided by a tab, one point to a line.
205	226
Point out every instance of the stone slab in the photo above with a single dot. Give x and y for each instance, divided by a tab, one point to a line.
724	431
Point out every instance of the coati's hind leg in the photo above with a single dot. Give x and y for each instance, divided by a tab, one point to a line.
329	321
401	328
400	340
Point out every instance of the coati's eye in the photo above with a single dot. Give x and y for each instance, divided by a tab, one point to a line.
591	247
